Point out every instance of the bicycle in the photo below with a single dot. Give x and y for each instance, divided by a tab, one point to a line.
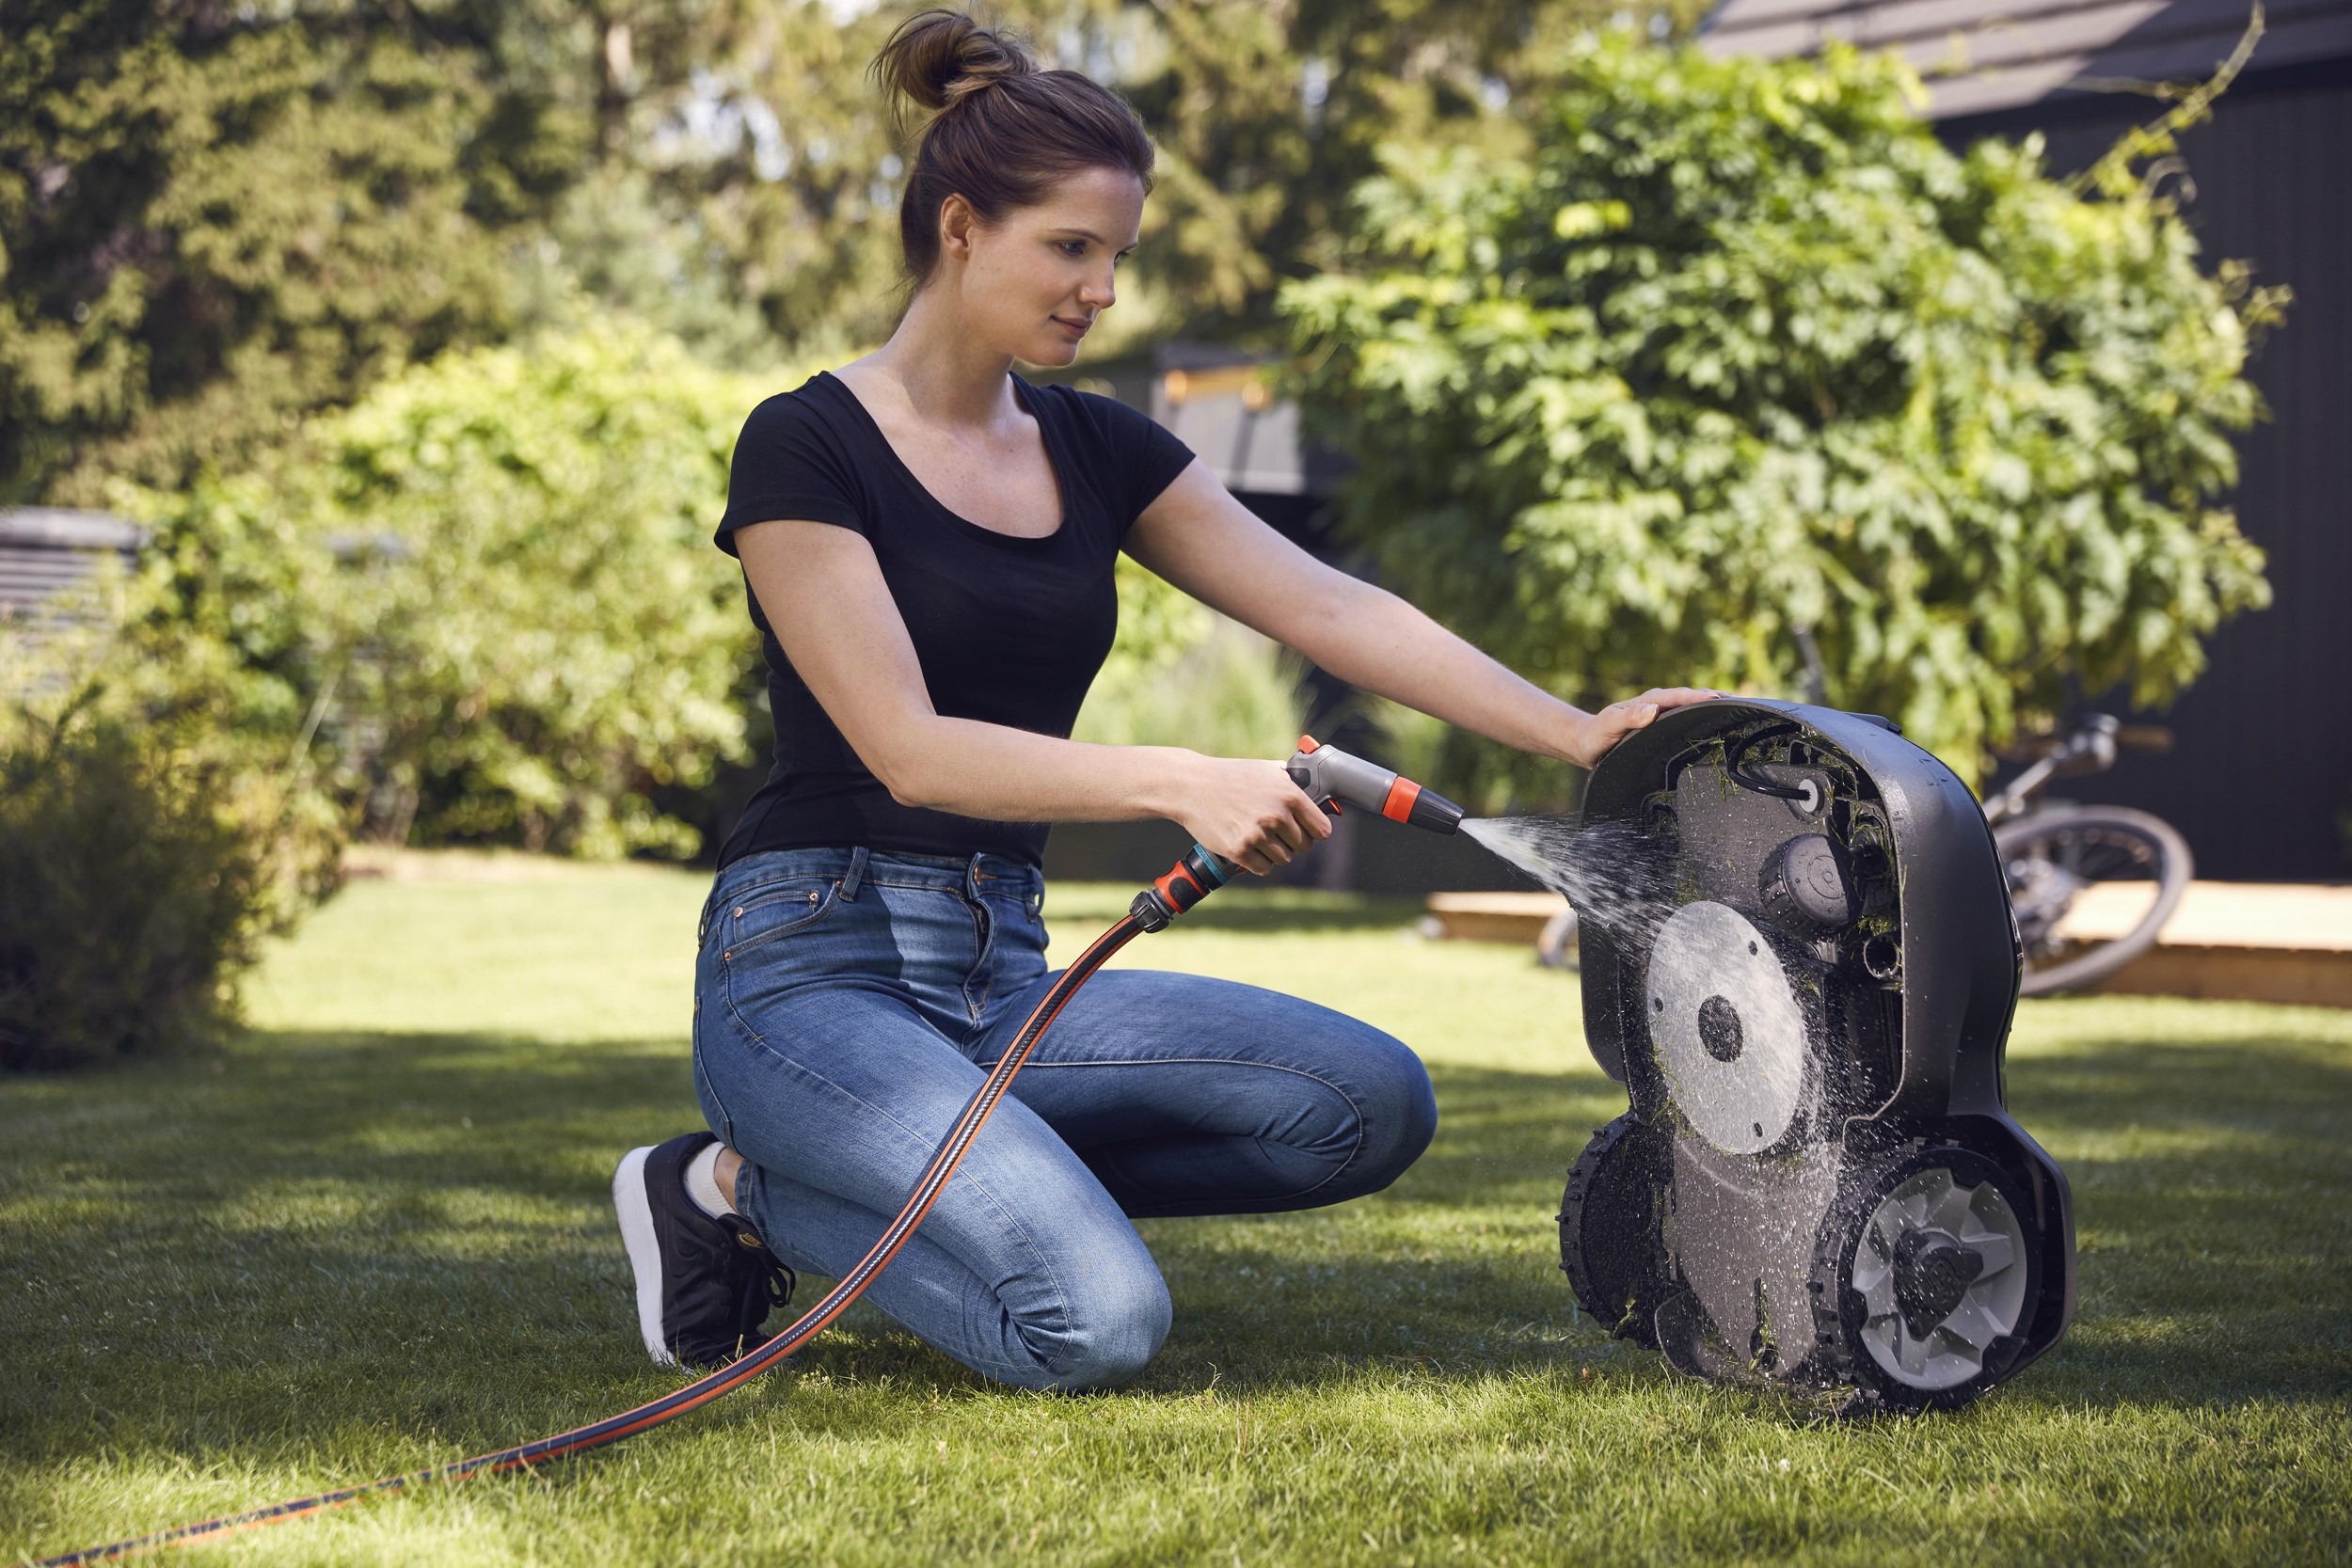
2092	885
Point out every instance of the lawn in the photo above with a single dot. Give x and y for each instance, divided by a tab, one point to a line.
375	1233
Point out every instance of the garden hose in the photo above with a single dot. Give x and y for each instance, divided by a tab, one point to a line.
1199	873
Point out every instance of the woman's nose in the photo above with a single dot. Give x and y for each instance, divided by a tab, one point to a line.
1099	292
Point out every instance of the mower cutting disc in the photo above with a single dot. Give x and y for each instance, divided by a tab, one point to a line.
1727	1026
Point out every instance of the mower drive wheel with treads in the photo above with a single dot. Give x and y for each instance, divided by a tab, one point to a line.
1608	1231
1925	1278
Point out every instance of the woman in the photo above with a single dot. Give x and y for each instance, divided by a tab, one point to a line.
929	542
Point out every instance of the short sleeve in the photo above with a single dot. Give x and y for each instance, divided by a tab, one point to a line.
1144	458
788	463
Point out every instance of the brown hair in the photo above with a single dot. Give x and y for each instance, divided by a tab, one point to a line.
1001	132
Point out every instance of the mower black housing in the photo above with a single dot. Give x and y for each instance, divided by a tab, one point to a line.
1886	1228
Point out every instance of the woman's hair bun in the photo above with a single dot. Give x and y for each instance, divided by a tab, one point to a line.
998	132
937	57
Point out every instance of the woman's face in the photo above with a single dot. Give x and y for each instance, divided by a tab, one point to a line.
1031	284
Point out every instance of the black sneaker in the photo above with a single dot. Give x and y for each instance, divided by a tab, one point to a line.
704	1286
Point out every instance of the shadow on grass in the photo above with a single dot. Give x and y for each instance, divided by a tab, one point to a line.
381	1242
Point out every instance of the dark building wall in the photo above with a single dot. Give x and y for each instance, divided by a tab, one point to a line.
2261	778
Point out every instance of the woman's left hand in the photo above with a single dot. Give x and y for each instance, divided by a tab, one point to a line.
1598	734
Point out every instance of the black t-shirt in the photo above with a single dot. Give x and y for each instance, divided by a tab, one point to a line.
1007	630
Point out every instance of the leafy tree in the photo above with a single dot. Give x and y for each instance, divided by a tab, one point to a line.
1275	112
214	219
495	572
1740	350
772	154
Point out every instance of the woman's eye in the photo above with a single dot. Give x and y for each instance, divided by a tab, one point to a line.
1073	248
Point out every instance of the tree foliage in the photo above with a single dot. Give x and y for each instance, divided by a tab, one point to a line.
495	572
1741	350
776	154
213	221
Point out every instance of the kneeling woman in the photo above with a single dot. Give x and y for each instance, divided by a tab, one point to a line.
930	541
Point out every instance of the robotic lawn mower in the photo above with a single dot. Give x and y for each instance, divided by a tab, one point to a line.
1818	1184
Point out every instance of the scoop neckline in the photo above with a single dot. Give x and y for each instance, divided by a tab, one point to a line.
1021	391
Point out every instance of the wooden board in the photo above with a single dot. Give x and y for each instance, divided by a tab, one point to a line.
2242	941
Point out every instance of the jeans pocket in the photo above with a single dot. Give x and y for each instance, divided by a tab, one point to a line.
779	908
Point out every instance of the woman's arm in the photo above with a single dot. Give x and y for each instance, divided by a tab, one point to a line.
823	593
1206	543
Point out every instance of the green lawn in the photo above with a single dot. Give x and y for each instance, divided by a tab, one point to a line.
375	1234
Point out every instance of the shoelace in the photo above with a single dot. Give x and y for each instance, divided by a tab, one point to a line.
767	1283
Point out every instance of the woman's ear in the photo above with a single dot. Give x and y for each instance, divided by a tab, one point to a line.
956	220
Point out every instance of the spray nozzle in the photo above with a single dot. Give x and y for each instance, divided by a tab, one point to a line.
1329	776
1333	777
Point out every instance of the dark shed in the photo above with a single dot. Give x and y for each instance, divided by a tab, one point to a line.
2262	779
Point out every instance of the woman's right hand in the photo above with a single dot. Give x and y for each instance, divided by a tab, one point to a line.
1248	811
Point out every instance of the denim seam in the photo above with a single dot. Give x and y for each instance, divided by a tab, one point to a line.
770	892
702	1076
1363	1122
727	981
981	931
1009	1218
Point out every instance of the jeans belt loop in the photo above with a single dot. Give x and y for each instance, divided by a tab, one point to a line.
855	877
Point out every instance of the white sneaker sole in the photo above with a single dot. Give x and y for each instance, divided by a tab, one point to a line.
644	1253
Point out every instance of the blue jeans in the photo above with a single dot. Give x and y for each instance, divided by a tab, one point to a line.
847	1001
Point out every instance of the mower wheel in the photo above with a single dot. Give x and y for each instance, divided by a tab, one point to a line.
1925	1277
1610	1245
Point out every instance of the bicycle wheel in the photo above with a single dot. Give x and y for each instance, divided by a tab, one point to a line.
2092	885
1556	947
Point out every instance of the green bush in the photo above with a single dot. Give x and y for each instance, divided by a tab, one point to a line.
134	886
1741	350
499	566
160	809
556	637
